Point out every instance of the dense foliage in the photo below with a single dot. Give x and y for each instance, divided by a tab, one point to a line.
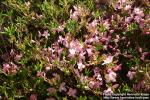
73	49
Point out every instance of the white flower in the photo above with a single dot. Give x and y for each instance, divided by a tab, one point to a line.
80	66
108	60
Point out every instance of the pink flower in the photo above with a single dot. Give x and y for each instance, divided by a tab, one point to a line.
51	90
60	28
122	1
33	97
73	44
89	51
44	34
95	84
106	24
80	66
117	68
96	70
61	39
18	57
138	18
108	91
94	23
115	86
62	87
138	11
131	74
108	60
72	92
128	19
77	13
6	68
81	55
144	54
72	52
76	71
111	76
41	74
9	68
99	77
59	51
92	27
127	7
83	79
74	15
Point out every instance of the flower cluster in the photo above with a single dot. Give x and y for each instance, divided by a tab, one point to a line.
89	52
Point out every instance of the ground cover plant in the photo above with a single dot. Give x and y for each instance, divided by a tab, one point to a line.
73	49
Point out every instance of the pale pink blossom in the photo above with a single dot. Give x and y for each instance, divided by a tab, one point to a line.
73	44
81	55
72	92
9	68
99	77
94	23
56	76
47	68
52	90
122	1
115	86
108	60
74	15
59	51
108	91
131	74
83	79
6	68
106	24
128	19
90	40
61	39
95	84
44	34
81	66
92	27
60	28
18	57
33	97
143	55
138	11
41	74
111	76
117	67
72	52
62	87
127	7
89	51
77	13
138	18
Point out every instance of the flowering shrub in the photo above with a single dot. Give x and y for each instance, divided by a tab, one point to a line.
73	49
